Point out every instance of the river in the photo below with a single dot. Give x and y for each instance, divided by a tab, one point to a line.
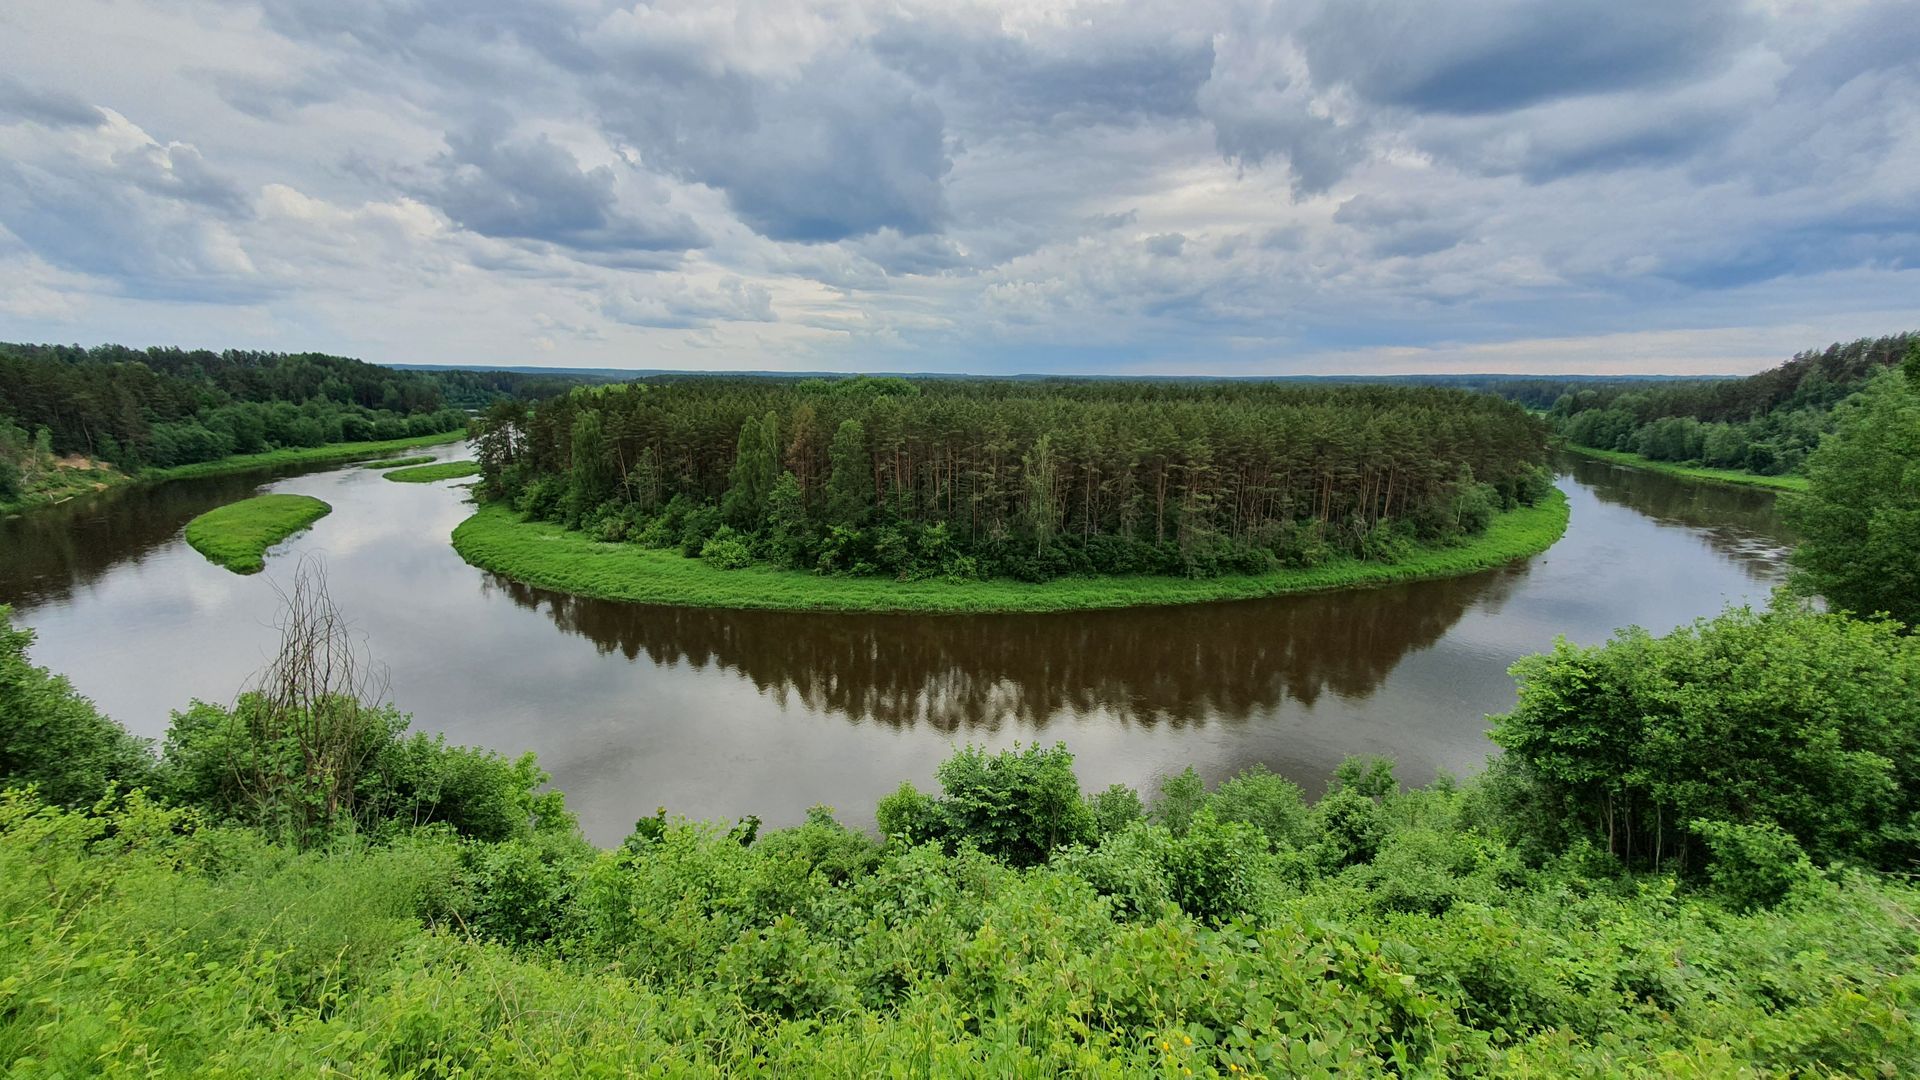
718	714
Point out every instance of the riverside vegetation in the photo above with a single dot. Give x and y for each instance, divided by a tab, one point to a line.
399	462
426	474
238	535
1692	858
976	487
74	420
295	880
1757	430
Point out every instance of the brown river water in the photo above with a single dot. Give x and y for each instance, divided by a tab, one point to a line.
718	714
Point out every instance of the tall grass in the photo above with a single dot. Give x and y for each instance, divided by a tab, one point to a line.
549	556
238	535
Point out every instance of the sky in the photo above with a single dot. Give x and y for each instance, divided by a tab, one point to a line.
1189	187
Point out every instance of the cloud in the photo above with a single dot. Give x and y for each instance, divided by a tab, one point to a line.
679	306
1479	56
110	201
533	189
51	108
959	184
842	148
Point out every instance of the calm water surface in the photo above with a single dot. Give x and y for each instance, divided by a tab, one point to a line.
716	714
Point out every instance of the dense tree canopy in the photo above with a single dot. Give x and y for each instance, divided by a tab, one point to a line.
1030	479
1859	520
1766	423
164	407
1787	718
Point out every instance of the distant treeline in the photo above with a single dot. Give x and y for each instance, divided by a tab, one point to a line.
1766	423
166	406
1029	479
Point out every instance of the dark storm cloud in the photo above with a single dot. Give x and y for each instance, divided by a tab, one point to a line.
1480	56
532	189
1009	80
843	149
49	107
1399	226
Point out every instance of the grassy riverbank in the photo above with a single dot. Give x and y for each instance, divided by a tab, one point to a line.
1691	472
68	483
238	535
301	455
546	555
398	462
425	474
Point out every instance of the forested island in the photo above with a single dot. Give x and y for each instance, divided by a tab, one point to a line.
953	487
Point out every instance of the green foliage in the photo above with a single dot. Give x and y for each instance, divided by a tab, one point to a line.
497	538
1017	805
1351	827
1859	520
726	552
1746	430
1785	717
1115	809
1181	796
849	491
319	887
144	939
426	474
342	766
756	469
238	535
399	462
1726	476
53	738
1272	804
962	479
592	475
1754	865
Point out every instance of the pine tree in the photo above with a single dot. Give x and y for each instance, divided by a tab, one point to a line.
850	476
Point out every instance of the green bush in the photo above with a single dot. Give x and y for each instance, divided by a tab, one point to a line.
53	738
1786	716
1754	865
727	553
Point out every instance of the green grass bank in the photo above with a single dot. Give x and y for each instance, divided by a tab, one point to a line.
71	483
238	535
424	474
301	455
546	555
398	462
1733	477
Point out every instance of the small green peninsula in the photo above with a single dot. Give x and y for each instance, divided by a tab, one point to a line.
426	474
238	535
397	463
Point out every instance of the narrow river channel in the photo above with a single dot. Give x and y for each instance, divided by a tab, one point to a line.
717	714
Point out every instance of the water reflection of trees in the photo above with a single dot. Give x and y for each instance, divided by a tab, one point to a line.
49	553
1742	523
1175	666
